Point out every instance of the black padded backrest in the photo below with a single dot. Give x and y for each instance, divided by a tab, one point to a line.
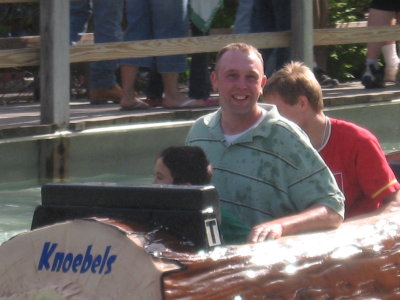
189	212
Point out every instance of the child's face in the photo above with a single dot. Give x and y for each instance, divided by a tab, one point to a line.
162	175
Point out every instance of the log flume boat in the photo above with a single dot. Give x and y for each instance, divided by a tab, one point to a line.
112	258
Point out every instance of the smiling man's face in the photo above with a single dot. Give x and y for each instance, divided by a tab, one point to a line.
239	78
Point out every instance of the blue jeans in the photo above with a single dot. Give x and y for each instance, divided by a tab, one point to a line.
272	16
107	16
79	14
199	79
157	19
243	17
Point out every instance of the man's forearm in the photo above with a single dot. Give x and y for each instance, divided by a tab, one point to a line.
317	217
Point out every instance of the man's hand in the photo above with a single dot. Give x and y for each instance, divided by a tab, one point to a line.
265	231
317	217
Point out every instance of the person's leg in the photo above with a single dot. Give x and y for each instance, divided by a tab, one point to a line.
172	96
170	21
79	14
107	28
391	58
373	77
129	100
199	79
243	17
321	10
283	23
377	17
138	28
154	88
263	20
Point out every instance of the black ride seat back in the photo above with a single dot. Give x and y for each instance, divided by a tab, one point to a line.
191	213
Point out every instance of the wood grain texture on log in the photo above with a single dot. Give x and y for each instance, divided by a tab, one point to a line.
360	260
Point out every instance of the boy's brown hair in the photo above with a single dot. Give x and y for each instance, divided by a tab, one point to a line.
294	80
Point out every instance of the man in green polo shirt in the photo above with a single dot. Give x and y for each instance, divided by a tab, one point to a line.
265	170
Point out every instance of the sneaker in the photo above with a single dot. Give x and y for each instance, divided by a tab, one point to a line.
391	73
102	96
324	79
373	77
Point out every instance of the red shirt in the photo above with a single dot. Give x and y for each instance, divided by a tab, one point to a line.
355	157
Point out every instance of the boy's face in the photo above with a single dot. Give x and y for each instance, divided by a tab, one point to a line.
162	175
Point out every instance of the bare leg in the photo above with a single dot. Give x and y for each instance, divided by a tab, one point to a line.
172	96
374	76
377	18
129	98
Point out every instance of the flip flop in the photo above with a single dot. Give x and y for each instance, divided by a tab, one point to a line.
154	102
138	105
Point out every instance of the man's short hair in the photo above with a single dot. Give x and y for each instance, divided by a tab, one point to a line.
243	47
294	80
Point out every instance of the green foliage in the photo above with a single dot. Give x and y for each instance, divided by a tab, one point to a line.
346	62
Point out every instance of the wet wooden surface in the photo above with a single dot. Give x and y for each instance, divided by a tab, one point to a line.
360	260
22	118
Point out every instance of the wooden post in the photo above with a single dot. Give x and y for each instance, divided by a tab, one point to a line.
302	31
54	62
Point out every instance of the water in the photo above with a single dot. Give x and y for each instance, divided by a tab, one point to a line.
16	210
17	205
126	154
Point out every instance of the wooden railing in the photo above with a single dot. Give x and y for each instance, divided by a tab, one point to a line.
48	51
29	53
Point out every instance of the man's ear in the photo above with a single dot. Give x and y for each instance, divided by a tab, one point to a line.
213	78
263	82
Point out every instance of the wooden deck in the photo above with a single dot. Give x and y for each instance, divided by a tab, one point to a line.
22	118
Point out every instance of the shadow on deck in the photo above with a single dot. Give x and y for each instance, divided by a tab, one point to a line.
22	118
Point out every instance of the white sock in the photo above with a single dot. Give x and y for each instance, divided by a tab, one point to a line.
390	55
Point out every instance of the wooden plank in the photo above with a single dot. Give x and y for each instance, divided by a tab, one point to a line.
108	51
338	36
54	62
20	42
162	47
19	57
87	38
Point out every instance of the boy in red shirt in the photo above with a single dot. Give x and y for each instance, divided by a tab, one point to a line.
351	152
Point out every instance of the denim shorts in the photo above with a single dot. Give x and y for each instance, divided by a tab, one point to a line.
157	19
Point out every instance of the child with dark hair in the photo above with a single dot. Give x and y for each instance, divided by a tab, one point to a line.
189	165
182	165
